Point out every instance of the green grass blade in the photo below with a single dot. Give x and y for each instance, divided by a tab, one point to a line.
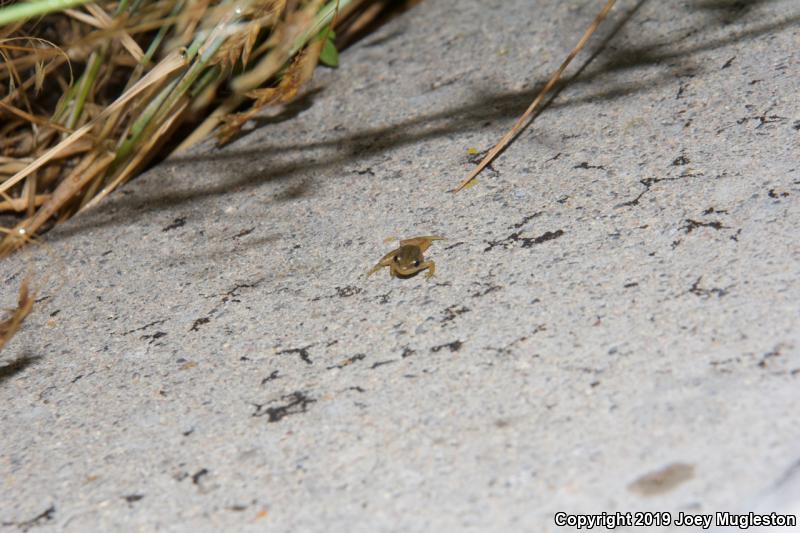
26	10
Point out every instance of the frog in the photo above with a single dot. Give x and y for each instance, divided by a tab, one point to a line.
407	260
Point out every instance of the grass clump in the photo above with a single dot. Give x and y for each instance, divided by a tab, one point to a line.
90	92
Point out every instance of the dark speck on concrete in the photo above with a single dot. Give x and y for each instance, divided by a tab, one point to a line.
296	403
526	242
349	361
587	166
199	475
199	322
452	346
154	337
272	377
341	292
775	352
148	325
349	290
525	220
177	223
244	232
301	352
38	520
697	290
544	237
453	311
692	225
486	289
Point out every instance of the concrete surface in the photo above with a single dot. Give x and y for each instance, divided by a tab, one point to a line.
613	325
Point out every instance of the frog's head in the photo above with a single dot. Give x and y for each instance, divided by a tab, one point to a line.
407	260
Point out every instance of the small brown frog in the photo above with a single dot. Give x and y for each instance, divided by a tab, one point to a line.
407	260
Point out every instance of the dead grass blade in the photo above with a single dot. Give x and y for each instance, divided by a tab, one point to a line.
34	119
140	158
296	76
288	38
522	122
87	170
167	66
106	22
21	204
11	325
299	29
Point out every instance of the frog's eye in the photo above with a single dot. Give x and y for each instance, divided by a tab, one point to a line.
397	259
416	263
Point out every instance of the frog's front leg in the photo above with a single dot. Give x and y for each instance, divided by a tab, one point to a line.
385	261
431	266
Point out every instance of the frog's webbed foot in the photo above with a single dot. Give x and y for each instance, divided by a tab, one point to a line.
422	242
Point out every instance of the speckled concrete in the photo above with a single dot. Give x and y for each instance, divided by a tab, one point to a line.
613	325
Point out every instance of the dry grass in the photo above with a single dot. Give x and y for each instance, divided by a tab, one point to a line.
92	93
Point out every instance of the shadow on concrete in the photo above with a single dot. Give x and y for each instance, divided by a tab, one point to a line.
674	58
9	370
726	11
